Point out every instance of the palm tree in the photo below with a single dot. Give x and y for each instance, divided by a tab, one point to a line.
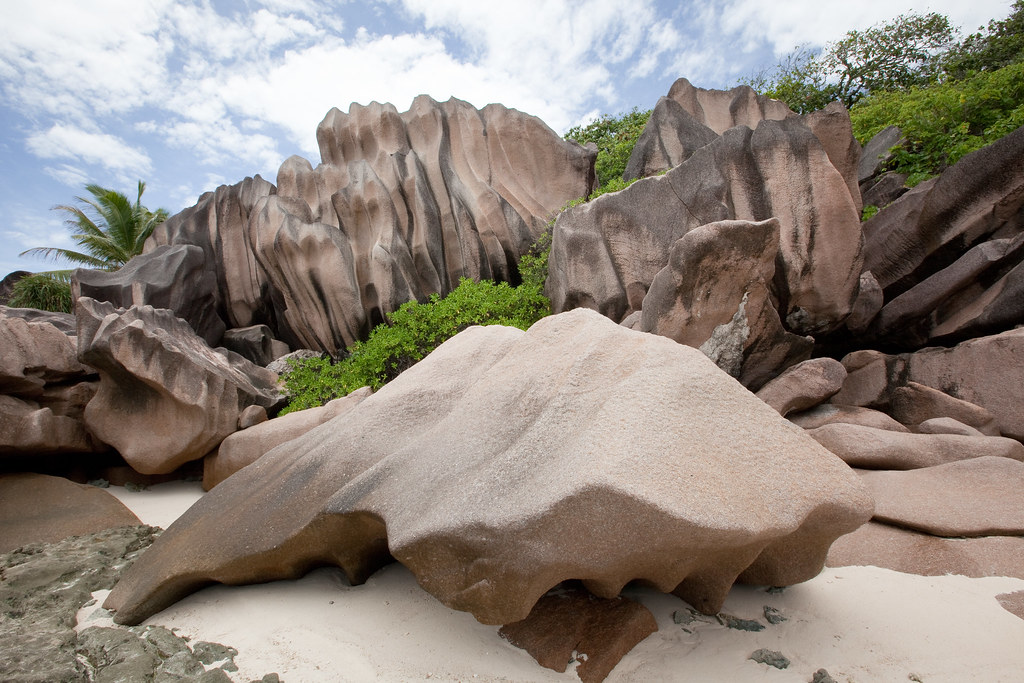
108	228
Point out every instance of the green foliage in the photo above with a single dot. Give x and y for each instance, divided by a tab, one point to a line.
1000	45
108	227
799	80
868	212
942	122
899	54
413	331
615	137
45	291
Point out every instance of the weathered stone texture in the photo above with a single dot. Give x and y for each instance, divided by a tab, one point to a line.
485	467
165	397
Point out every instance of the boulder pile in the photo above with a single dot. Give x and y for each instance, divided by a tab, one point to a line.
618	440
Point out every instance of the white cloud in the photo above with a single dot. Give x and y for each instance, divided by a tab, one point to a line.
63	141
69	175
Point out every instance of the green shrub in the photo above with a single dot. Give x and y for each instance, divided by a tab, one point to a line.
943	122
413	331
615	137
868	212
45	291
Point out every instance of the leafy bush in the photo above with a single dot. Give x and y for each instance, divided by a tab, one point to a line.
413	331
1001	44
45	291
615	137
943	122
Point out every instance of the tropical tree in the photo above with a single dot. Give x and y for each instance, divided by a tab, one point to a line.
108	228
895	55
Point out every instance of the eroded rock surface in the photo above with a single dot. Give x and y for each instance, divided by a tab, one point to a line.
172	277
507	462
804	385
606	253
165	397
401	207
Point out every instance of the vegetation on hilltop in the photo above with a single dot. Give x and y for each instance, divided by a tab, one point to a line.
615	137
109	230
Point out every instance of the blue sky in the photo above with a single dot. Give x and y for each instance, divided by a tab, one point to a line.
191	94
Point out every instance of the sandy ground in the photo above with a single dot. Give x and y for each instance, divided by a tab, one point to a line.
859	623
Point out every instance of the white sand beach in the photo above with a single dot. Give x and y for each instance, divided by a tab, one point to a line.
859	623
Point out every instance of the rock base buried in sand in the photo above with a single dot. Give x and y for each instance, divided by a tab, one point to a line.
1013	602
475	466
571	623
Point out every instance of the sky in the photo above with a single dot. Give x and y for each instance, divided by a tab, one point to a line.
188	95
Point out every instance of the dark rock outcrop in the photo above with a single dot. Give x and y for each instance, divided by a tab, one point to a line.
570	622
172	277
483	467
165	397
928	251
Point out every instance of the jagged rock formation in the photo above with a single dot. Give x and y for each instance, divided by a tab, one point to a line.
607	252
949	254
165	397
483	468
172	277
401	207
689	118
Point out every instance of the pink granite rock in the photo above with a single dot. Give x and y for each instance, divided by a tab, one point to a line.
804	385
507	462
976	497
874	448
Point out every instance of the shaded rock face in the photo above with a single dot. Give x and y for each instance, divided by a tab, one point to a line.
43	389
569	622
714	295
165	397
948	253
981	379
483	468
401	207
171	277
606	253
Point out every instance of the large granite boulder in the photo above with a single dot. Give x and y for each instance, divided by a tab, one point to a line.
218	224
912	552
172	277
38	508
29	428
606	252
804	385
401	207
714	294
165	397
34	355
873	448
507	462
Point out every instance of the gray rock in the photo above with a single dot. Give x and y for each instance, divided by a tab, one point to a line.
729	621
43	586
173	277
255	343
65	322
822	676
878	151
770	657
